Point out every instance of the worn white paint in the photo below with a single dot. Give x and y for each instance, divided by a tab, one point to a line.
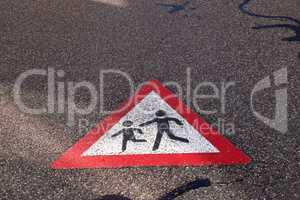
142	112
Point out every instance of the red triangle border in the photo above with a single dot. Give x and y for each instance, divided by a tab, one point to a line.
228	155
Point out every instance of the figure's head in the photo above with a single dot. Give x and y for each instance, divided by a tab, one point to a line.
127	123
160	113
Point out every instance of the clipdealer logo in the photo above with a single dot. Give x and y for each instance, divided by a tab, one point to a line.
61	95
277	81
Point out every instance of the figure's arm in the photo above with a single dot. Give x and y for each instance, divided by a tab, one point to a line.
138	130
147	123
177	121
116	134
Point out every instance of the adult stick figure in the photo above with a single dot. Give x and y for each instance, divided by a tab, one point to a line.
128	134
163	125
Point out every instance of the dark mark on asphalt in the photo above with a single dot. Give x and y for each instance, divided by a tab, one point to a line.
196	184
173	8
293	24
113	197
199	183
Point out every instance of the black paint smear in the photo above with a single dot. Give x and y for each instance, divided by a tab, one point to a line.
173	8
113	197
199	183
246	2
186	188
292	23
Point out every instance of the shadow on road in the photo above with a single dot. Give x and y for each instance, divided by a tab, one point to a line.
199	183
196	184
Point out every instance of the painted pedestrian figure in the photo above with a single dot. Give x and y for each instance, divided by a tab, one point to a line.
128	134
163	126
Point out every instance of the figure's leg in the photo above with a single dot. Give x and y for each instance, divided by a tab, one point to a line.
157	140
124	144
174	137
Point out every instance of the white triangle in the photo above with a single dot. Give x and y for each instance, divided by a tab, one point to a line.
143	112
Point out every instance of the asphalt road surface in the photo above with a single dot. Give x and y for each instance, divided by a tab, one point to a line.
214	39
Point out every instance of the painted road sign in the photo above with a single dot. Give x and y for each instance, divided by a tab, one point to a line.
154	128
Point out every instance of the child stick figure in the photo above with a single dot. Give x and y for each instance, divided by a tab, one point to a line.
164	126
128	134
